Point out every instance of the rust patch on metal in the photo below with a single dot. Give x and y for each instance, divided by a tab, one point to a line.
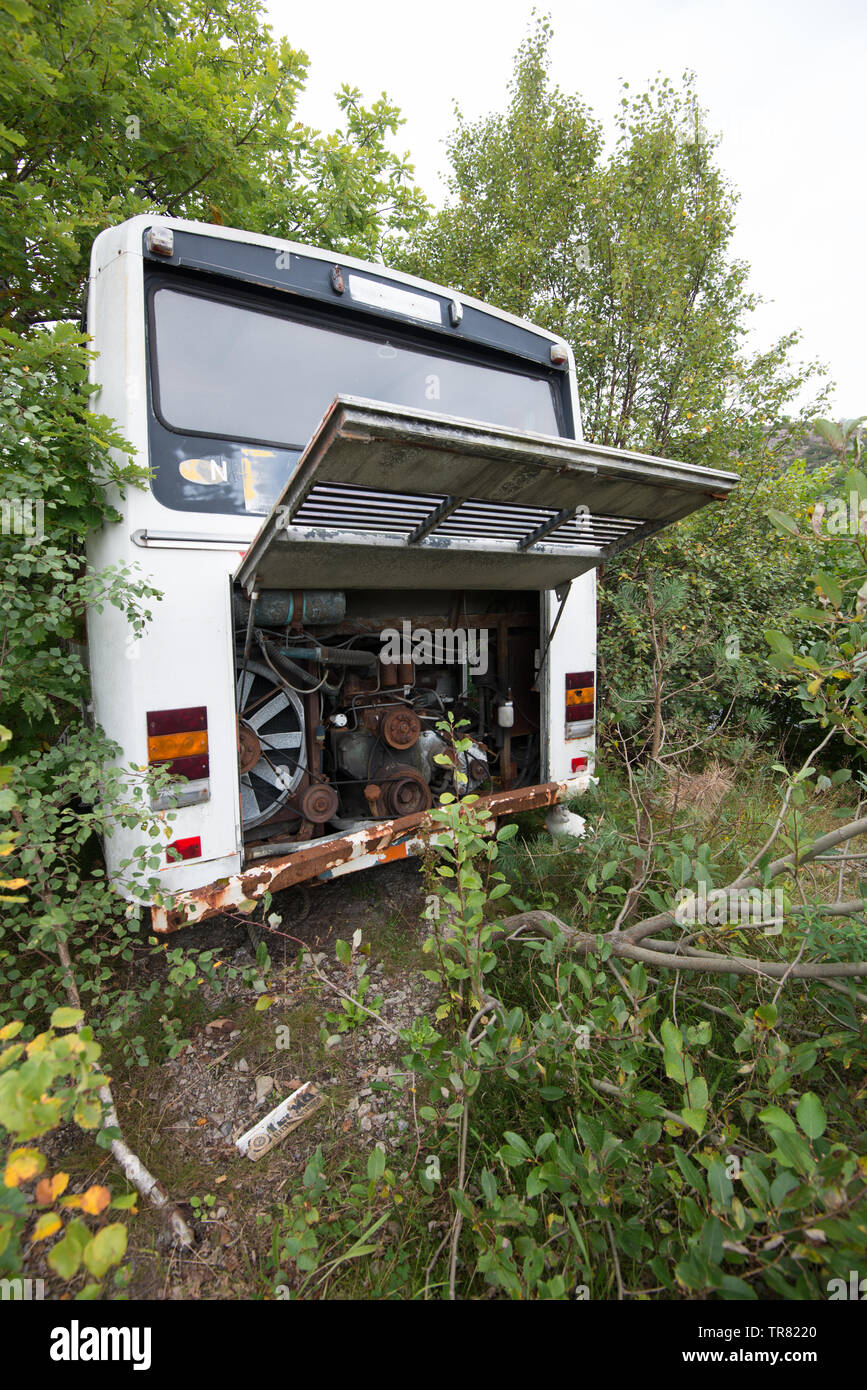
310	861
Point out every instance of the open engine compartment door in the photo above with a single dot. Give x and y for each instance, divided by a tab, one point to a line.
385	496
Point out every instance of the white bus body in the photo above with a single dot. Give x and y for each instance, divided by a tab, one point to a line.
445	491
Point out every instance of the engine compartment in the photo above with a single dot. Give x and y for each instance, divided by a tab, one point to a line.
340	694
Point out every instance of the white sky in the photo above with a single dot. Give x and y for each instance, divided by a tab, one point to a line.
781	80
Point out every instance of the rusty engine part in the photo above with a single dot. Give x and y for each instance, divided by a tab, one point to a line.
401	792
400	727
249	747
318	803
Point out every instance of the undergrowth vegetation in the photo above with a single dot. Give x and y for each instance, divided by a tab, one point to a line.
595	1133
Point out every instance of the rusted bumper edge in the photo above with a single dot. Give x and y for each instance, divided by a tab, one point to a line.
341	854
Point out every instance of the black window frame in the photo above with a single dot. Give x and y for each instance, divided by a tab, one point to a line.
340	318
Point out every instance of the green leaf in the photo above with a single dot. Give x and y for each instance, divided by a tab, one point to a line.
511	1157
518	1143
776	1118
855	482
830	432
462	1202
782	522
376	1164
767	1014
107	1248
66	1018
696	1092
783	1184
811	1115
811	615
778	642
535	1184
65	1257
696	1119
672	1042
88	1112
829	586
719	1184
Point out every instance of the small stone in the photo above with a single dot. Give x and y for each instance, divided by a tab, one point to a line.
264	1087
367	1124
334	1041
242	1065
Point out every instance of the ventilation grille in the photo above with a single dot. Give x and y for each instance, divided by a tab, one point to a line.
413	516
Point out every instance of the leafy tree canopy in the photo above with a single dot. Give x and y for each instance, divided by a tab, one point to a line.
128	106
625	250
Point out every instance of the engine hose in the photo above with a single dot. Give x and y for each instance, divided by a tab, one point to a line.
272	656
310	688
331	656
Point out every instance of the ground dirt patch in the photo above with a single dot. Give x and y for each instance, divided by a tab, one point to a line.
184	1115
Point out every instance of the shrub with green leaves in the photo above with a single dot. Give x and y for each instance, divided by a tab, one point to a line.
53	1079
589	1130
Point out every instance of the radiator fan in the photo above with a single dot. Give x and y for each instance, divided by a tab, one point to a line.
271	743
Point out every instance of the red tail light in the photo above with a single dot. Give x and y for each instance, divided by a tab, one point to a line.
190	848
580	697
178	739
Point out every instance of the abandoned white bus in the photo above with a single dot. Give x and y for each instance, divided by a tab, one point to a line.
369	508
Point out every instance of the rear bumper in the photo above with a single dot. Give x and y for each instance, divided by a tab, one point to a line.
328	858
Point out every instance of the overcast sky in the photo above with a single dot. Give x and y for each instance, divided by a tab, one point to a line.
781	80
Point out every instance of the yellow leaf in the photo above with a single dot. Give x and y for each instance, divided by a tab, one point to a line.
11	1030
74	1201
14	882
49	1189
95	1200
37	1044
22	1165
48	1223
